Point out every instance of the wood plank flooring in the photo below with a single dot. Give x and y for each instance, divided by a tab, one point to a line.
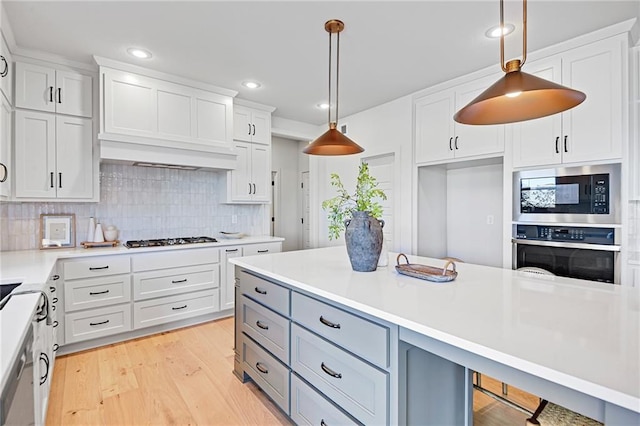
184	377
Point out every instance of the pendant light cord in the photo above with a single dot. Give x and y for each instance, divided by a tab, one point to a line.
524	35
337	75
329	109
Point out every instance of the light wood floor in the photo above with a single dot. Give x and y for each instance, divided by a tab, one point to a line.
184	377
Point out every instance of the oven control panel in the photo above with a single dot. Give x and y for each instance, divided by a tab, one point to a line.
576	234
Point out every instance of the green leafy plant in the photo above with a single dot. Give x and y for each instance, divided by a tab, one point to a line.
342	206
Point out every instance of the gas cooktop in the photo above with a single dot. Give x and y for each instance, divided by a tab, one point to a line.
169	242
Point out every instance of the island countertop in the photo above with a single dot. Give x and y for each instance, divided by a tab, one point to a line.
580	334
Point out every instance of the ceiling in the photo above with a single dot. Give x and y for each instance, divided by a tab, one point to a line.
388	48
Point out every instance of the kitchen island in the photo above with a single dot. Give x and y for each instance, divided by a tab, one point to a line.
570	341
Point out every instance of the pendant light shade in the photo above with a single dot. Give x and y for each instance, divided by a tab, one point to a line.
518	96
333	142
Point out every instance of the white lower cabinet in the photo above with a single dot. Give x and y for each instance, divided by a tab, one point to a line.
227	276
173	308
309	407
94	323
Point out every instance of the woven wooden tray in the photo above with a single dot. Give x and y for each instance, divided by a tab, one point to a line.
425	272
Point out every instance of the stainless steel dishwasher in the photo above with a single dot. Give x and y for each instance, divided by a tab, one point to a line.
17	400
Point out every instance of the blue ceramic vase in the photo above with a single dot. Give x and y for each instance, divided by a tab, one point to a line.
363	236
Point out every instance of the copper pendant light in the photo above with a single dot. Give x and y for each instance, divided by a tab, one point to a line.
518	96
333	142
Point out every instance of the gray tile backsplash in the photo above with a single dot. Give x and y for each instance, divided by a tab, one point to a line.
142	203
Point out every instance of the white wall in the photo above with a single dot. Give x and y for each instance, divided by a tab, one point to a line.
380	130
284	161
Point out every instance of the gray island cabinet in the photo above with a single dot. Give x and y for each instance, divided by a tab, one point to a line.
332	346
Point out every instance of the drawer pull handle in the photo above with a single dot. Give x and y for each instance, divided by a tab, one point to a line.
263	251
56	277
54	300
95	293
261	325
328	323
44	357
52	289
178	308
55	347
99	323
330	371
322	422
261	291
178	281
231	251
97	268
261	368
55	324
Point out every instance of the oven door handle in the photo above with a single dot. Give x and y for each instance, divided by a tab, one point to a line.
563	244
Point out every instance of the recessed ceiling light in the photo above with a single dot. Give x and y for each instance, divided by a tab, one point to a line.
494	32
251	84
139	53
323	105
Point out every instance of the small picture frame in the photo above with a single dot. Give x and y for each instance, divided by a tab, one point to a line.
57	231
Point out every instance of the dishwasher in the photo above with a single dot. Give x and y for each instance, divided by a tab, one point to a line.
17	399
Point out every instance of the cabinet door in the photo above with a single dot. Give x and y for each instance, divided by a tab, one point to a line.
227	288
35	87
212	118
174	111
239	180
129	104
539	142
6	71
261	127
476	140
74	94
261	172
35	154
242	124
74	157
5	148
595	127
434	128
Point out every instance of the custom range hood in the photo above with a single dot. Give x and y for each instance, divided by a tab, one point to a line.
154	154
150	118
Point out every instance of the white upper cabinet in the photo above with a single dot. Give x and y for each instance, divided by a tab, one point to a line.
251	125
439	138
141	106
250	182
53	156
6	71
6	170
47	89
592	131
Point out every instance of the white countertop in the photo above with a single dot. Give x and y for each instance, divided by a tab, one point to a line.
581	334
33	267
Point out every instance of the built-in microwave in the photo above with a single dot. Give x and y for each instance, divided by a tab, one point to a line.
588	194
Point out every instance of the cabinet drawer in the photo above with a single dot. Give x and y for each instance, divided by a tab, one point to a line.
266	372
262	248
96	292
356	386
267	328
358	335
308	407
265	292
167	282
97	323
174	308
97	267
175	259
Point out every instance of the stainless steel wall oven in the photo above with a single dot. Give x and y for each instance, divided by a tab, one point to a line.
590	253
